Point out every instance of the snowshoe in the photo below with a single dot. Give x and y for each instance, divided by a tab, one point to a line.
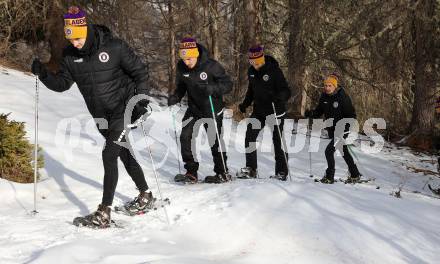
327	179
98	219
218	178
143	203
353	179
247	173
280	176
434	191
186	178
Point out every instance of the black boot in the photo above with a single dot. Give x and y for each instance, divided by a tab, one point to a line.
218	178
139	205
101	217
329	178
186	178
247	173
353	178
282	176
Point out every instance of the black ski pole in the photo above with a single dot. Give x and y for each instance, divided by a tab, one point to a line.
282	141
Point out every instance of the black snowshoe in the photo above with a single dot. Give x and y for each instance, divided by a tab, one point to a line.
327	179
280	176
218	178
143	203
186	178
247	173
99	219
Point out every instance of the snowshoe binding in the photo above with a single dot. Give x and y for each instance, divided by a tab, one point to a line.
282	176
218	178
143	203
186	178
98	219
247	173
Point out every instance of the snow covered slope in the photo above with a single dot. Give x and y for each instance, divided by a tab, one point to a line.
245	221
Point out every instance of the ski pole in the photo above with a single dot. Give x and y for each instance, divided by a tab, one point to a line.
135	124
36	144
218	135
175	137
282	141
155	172
310	153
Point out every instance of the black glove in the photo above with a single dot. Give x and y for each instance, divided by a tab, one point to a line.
172	100
280	107
308	114
140	109
38	68
242	108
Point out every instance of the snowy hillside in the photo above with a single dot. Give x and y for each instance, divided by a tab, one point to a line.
245	221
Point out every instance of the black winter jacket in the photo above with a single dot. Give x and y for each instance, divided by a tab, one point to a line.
108	73
207	72
337	106
267	85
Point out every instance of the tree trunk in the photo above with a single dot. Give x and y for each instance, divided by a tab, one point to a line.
296	60
55	35
213	28
248	28
426	70
172	48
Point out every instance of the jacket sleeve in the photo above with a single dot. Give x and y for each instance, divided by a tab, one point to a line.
222	82
135	68
319	110
348	110
61	81
180	87
282	88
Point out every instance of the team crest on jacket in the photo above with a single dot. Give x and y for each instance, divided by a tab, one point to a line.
203	76
104	57
335	104
266	77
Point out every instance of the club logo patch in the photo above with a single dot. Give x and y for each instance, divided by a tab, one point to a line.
266	77
335	104
104	57
203	76
68	31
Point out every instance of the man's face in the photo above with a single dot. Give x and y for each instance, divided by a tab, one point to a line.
329	88
78	43
190	62
256	66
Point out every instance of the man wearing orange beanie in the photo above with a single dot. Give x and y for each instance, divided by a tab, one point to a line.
108	74
335	103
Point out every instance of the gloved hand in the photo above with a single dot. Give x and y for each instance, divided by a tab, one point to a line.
308	114
38	68
140	109
172	100
280	107
242	108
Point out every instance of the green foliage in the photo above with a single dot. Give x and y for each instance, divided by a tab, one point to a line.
16	153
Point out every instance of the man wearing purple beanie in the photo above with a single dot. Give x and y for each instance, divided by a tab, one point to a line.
267	86
108	74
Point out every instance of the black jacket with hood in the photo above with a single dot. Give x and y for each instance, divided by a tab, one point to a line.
194	82
107	71
267	85
337	106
